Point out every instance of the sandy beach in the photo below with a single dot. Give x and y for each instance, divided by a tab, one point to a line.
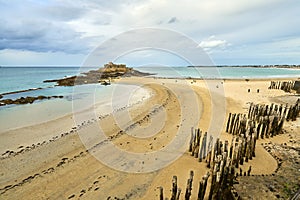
59	159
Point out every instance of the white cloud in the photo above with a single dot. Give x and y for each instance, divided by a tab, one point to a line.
212	43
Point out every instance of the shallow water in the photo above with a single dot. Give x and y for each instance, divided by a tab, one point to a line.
103	99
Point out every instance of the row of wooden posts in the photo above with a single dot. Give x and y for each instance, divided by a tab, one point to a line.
262	120
203	151
223	159
294	111
286	86
265	126
289	112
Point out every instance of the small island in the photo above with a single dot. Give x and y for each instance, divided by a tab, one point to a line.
102	75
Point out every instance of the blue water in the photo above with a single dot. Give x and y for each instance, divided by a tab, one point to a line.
22	78
220	72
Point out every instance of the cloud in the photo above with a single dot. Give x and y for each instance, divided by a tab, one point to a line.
40	28
40	36
212	43
172	20
284	51
30	58
78	27
62	12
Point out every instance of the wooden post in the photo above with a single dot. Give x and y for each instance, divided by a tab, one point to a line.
203	147
212	187
254	145
161	193
192	140
228	123
240	155
210	151
178	194
205	178
236	156
189	186
174	188
250	110
235	126
249	171
258	129
231	149
201	190
247	147
232	123
263	129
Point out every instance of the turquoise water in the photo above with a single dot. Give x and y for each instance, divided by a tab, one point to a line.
81	98
221	72
22	78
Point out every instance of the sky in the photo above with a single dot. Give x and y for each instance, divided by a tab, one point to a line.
66	32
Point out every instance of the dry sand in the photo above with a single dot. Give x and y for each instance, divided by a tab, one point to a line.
53	163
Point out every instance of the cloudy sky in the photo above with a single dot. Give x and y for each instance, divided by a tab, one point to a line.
49	32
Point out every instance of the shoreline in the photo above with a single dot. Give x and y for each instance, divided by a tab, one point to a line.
70	112
279	77
71	156
230	79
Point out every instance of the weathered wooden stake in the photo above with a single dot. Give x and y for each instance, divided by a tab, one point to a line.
161	193
174	188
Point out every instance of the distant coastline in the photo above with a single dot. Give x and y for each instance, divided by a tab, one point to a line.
97	67
255	66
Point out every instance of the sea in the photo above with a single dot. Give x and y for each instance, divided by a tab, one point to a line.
23	78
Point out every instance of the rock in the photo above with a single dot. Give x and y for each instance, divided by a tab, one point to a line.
41	97
271	188
25	100
107	72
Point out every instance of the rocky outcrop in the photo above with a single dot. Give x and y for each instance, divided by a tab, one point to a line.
20	91
109	71
25	100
